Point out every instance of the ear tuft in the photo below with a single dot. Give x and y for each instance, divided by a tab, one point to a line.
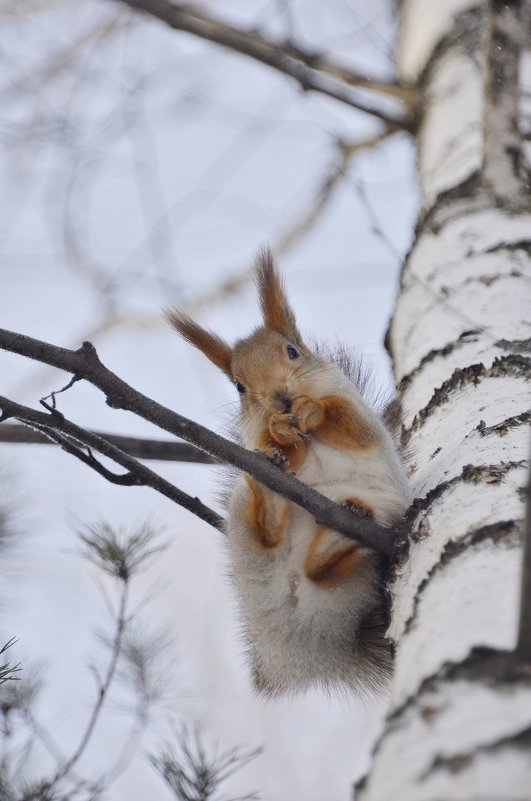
212	345
276	311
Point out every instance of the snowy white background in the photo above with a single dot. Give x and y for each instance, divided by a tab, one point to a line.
143	174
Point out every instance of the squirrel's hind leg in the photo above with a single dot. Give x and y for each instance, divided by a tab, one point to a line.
265	516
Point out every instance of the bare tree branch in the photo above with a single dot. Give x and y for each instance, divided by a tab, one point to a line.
62	60
503	158
288	238
311	70
140	448
71	438
85	364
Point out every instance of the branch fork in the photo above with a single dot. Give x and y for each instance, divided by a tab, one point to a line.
85	363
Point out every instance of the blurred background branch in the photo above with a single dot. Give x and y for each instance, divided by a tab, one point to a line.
308	69
139	447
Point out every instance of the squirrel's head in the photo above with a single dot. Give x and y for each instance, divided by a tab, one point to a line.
272	366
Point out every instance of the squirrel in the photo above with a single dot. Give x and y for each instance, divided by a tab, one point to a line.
312	600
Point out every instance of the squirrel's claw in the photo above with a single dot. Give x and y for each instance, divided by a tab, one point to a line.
277	457
358	508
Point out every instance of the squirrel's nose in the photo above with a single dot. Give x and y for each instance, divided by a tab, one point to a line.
284	401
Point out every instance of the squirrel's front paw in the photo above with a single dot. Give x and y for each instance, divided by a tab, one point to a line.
308	411
284	428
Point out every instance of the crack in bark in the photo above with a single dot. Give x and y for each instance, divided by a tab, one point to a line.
506	425
459	762
486	280
470	196
489	666
522	244
475	474
515	345
500	533
512	364
463	339
465	34
434	218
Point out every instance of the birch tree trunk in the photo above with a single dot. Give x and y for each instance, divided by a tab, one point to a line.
460	721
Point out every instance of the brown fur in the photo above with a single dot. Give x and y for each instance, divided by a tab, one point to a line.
276	310
359	508
261	519
342	427
292	455
330	558
310	413
285	428
213	346
326	586
332	419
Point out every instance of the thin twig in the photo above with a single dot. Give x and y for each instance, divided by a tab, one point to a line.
290	236
75	448
61	61
313	71
71	437
85	363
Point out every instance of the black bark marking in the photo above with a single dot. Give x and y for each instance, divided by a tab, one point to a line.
486	280
506	425
475	474
488	666
459	378
500	533
512	364
521	245
515	345
415	526
491	667
464	338
459	762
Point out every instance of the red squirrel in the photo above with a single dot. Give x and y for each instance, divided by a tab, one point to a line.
311	599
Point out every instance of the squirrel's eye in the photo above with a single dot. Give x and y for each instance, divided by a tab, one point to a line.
292	352
240	387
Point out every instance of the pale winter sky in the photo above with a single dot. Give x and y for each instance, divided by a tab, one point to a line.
140	168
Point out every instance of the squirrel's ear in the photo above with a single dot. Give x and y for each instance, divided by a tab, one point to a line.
214	348
276	311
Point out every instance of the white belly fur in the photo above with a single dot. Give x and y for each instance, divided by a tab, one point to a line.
290	620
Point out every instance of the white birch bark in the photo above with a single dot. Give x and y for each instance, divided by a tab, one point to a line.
460	721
